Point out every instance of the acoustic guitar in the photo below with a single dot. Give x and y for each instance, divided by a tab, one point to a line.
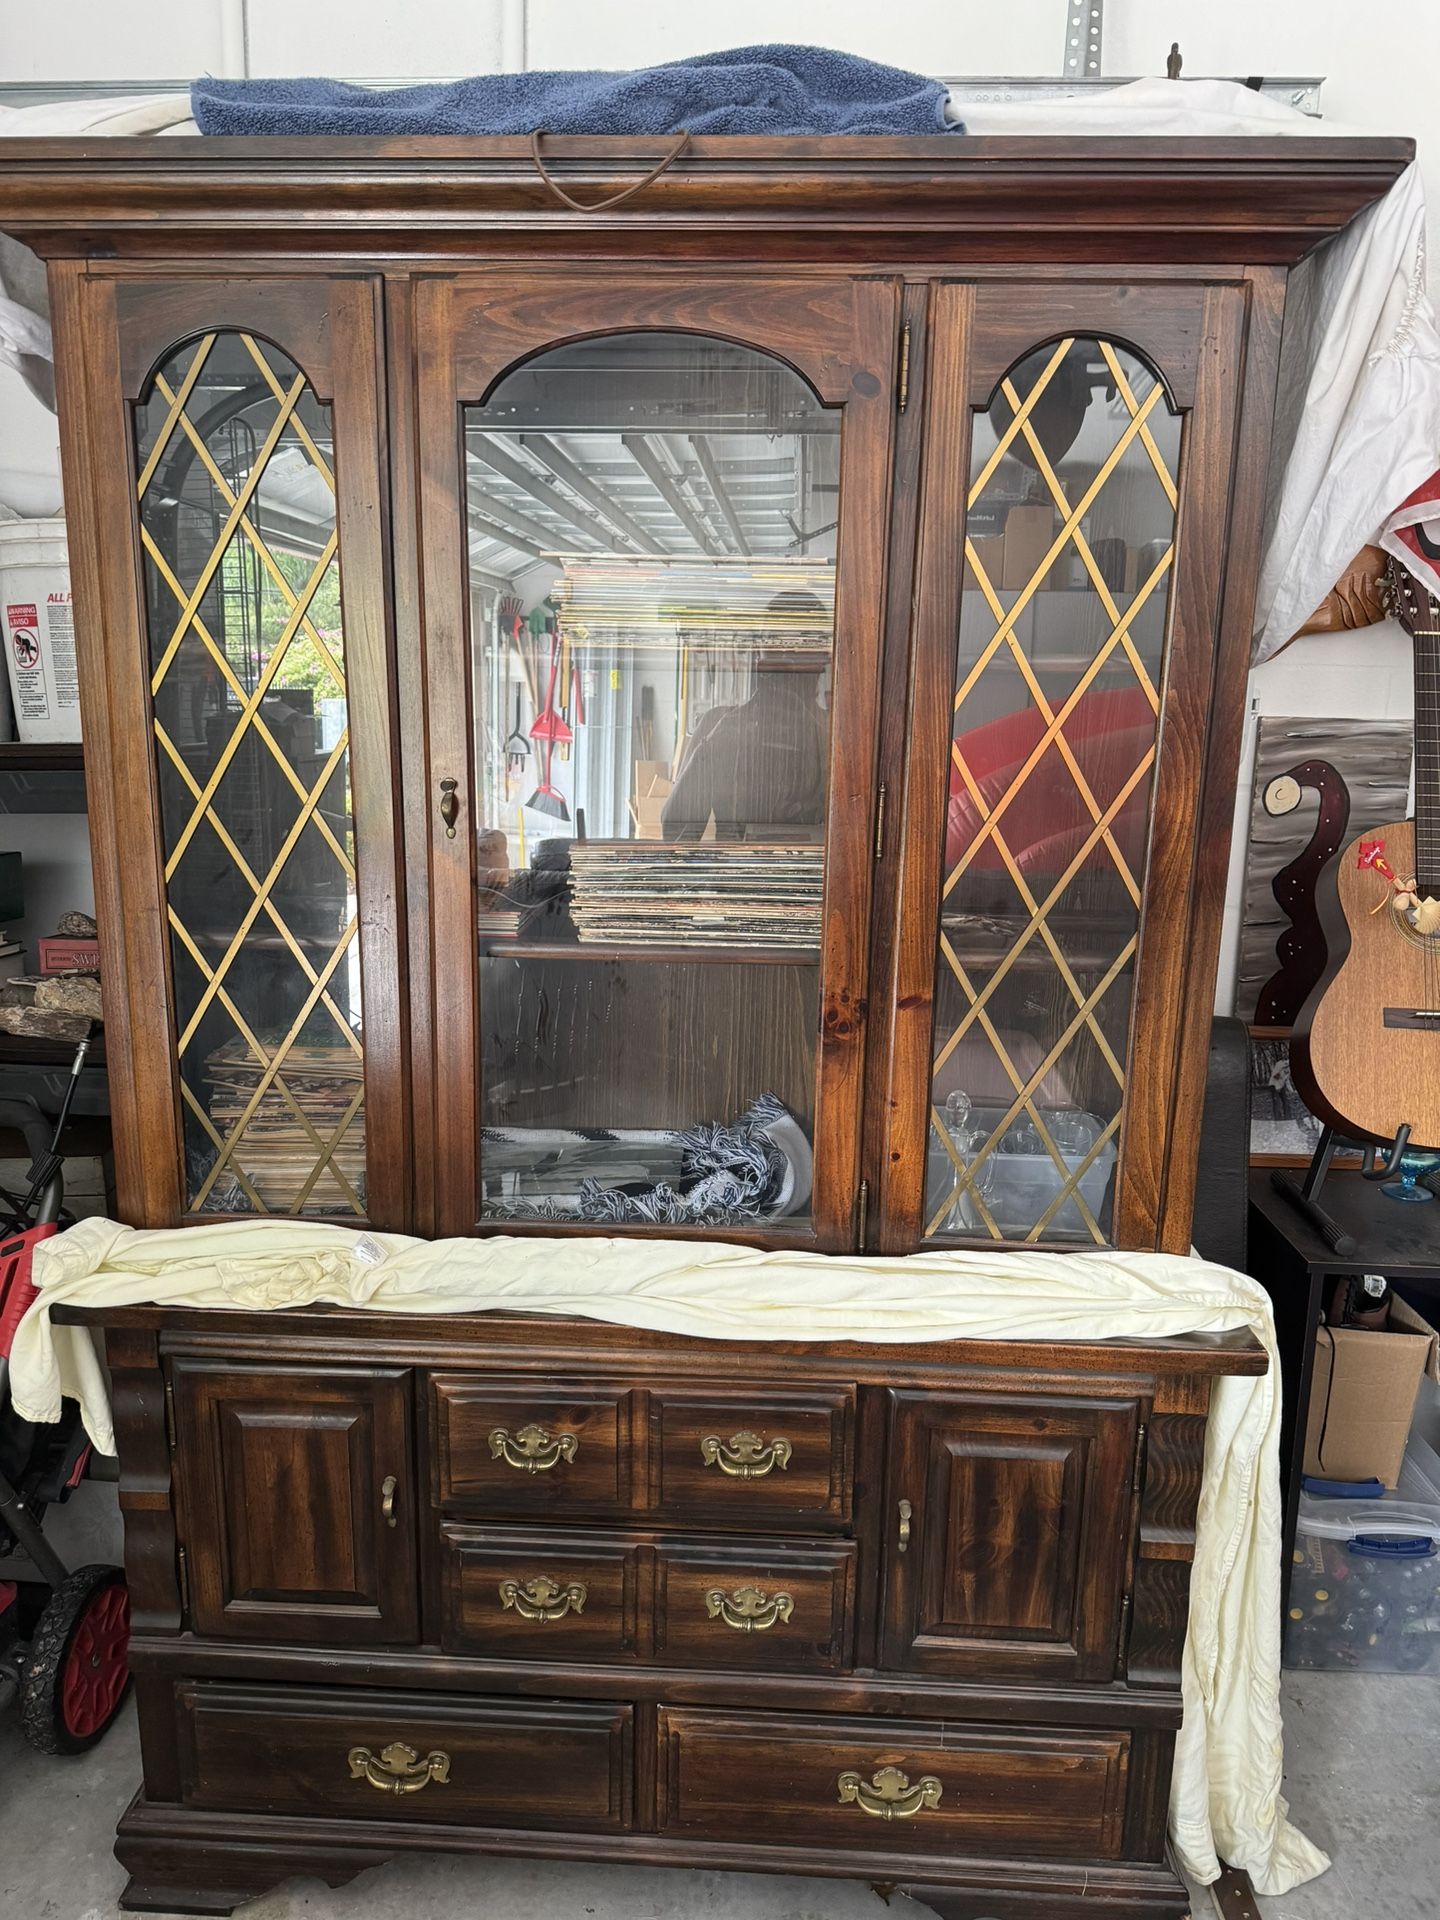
1365	1053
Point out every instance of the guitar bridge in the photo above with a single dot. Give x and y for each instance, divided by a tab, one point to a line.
1416	1018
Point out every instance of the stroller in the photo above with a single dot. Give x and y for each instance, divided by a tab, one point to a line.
64	1637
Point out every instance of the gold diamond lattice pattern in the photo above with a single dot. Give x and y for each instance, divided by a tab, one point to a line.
1122	430
237	525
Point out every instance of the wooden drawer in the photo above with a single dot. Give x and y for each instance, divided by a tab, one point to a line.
754	1605
754	1461
531	1446
539	1594
334	1752
893	1787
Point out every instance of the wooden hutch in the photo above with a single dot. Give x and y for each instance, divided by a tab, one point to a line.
713	715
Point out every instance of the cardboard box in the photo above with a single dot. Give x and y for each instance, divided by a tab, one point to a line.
1029	535
652	790
990	552
1362	1396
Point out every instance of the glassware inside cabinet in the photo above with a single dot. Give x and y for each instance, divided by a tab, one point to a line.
236	492
652	587
1069	555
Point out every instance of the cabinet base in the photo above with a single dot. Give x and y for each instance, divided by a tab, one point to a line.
182	1860
178	1863
1123	1893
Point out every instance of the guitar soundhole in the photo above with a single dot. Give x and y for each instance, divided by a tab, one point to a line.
1419	923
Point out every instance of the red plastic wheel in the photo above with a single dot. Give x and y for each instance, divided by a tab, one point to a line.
96	1667
76	1671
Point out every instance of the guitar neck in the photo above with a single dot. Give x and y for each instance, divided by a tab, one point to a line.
1427	760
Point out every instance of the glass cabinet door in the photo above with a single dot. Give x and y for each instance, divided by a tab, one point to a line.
1067	602
1069	547
653	520
254	680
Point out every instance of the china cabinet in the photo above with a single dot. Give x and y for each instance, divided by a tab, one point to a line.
714	714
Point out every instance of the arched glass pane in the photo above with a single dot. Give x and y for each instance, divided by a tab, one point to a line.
242	580
1069	558
652	540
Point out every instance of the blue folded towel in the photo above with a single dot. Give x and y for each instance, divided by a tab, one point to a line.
774	90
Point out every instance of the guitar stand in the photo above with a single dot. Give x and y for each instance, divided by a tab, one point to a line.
1304	1195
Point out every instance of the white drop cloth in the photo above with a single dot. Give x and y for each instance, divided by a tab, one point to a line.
1226	1797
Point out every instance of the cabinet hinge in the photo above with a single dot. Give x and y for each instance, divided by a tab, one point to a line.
862	1213
1122	1657
902	389
880	799
1138	1479
184	1568
170	1413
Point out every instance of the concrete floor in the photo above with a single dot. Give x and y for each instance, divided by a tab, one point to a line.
1361	1776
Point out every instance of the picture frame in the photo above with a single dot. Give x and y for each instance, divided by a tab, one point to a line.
1283	1131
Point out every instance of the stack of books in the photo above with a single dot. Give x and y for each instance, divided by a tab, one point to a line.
276	1152
706	893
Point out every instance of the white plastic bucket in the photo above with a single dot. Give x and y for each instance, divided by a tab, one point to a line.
38	630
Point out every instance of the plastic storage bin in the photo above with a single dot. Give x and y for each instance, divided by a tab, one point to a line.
1365	1585
1018	1187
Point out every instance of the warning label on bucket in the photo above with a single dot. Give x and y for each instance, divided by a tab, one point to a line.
27	670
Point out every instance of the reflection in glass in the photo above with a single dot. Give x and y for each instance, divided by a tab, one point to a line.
1063	620
237	514
652	538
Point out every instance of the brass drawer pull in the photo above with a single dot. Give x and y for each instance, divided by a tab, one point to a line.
890	1795
748	1609
387	1499
399	1769
903	1541
533	1449
541	1599
747	1456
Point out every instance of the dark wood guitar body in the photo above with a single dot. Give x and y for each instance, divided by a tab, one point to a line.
1361	1059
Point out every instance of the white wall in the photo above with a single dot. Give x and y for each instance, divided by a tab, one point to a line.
1379	60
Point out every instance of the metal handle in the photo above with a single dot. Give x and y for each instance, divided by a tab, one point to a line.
541	1599
387	1499
903	1542
449	806
398	1768
533	1449
748	1609
889	1794
746	1456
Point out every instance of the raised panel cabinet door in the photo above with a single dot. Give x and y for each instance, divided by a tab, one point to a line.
297	1503
652	514
1009	1521
1076	698
237	680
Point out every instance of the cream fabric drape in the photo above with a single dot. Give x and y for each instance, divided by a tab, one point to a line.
1226	1797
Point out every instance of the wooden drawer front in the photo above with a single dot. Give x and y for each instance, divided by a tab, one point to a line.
754	1605
756	1461
497	1763
540	1595
531	1446
896	1787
